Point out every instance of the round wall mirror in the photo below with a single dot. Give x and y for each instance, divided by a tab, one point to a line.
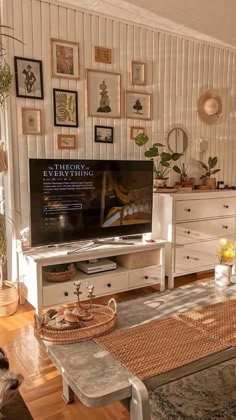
177	140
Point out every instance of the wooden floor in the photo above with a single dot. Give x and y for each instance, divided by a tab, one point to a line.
41	389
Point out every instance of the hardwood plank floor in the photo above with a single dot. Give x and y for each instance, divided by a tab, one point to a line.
42	387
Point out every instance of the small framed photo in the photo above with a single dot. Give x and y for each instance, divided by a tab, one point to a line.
103	134
66	141
134	131
65	59
103	55
138	105
65	103
31	121
138	73
103	94
29	78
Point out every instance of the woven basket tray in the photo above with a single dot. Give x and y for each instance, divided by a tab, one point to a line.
103	321
53	274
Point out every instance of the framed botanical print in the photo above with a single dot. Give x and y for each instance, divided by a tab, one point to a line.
138	73
65	59
31	121
29	78
103	94
66	141
138	105
103	55
103	134
134	131
65	103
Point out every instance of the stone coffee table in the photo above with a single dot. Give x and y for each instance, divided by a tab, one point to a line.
98	379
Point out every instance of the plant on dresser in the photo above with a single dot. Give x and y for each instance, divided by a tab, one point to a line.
162	164
223	270
210	170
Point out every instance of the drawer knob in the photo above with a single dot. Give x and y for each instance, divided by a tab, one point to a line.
187	231
192	258
187	210
146	277
66	294
225	206
225	227
108	284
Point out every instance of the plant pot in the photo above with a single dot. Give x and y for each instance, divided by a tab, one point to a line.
223	275
210	183
159	182
8	299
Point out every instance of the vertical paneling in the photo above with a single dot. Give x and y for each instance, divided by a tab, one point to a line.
178	71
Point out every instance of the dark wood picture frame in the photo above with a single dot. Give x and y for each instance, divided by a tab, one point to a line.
99	138
28	82
63	115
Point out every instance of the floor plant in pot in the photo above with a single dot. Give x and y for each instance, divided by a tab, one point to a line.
162	160
223	271
210	170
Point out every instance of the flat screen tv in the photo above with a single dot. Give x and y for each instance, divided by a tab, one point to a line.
73	200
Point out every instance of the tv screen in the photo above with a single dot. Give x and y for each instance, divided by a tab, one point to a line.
73	200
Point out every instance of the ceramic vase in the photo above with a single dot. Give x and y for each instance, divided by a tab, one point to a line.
223	275
159	182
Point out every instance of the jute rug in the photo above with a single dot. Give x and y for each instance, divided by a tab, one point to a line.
157	347
16	409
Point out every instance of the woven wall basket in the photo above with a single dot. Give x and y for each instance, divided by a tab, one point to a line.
8	299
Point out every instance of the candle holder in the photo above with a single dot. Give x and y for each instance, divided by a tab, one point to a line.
83	310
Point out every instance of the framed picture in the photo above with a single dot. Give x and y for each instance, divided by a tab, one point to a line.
103	94
103	55
138	105
66	141
103	134
134	131
31	121
138	73
29	78
65	59
65	104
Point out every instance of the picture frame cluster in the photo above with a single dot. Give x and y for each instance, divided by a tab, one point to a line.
103	93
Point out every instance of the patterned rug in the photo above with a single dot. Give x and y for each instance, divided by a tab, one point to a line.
206	395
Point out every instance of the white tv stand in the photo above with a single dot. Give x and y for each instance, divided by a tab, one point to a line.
41	294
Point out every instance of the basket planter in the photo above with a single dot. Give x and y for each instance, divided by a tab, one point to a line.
8	299
210	183
223	275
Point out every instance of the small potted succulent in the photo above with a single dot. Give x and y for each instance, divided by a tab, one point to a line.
210	170
226	255
181	169
162	160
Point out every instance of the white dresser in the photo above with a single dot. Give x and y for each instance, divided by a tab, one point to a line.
193	223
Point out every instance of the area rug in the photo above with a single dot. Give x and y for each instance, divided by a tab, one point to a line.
206	395
16	409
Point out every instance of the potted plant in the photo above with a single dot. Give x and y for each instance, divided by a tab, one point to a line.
162	163
181	169
223	270
209	171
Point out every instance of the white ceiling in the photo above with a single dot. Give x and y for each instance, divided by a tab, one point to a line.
212	20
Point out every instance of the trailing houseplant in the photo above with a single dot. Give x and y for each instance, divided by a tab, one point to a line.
210	170
162	160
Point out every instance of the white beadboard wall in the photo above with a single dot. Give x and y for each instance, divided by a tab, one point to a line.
178	71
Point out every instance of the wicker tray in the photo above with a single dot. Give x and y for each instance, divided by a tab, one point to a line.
55	275
103	321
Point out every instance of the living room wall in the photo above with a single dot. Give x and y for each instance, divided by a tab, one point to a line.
178	71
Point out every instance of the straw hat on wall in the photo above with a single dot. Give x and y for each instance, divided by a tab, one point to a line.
210	107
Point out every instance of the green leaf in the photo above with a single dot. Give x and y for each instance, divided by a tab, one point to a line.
176	156
152	152
177	170
165	156
164	163
203	165
212	162
215	171
158	145
203	176
141	139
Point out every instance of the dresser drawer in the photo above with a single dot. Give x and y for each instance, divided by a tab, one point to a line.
196	256
144	276
204	229
205	208
63	293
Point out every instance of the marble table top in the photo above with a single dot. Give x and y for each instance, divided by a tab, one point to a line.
93	374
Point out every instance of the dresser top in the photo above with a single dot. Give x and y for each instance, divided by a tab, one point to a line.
198	194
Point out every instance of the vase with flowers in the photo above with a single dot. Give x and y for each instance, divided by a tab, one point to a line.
226	255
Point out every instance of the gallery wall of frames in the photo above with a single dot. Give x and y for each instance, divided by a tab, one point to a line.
86	85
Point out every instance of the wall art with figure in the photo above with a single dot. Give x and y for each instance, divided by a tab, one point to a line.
103	94
65	59
29	78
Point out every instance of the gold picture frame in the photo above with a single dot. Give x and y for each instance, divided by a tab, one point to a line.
66	141
138	105
31	121
134	131
65	59
138	73
102	55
